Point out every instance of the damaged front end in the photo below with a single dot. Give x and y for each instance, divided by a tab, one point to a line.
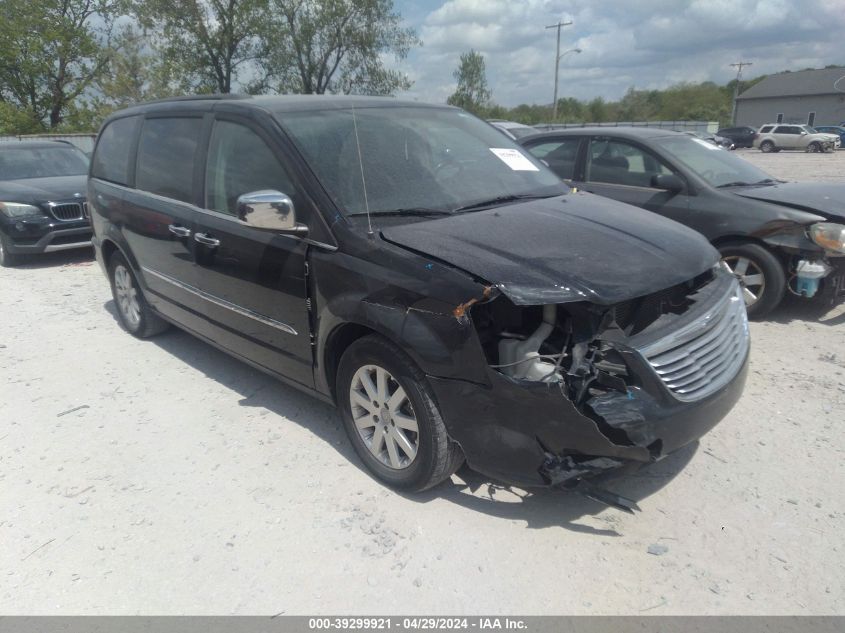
578	389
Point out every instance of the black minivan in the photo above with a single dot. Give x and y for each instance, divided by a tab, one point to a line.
410	264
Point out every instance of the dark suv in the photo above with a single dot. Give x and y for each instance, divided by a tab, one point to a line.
741	136
42	200
415	267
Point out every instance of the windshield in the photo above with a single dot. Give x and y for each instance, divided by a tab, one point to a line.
41	162
713	164
412	159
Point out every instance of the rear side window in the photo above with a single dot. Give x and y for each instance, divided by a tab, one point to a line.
111	157
166	154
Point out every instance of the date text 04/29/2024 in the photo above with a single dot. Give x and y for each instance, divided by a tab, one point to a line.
416	623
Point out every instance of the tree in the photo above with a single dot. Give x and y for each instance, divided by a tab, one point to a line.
51	52
204	45
134	74
597	110
472	93
335	46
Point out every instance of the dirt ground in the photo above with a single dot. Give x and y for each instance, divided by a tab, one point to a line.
164	477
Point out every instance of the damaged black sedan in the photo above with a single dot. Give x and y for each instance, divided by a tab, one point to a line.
410	264
774	236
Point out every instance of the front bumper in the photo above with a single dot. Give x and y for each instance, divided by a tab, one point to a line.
45	235
682	377
507	431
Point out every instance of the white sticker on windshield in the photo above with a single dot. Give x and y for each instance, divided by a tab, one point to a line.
514	159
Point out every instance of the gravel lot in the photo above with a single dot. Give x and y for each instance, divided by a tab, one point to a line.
164	477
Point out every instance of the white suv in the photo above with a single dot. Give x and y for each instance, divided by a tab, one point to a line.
775	137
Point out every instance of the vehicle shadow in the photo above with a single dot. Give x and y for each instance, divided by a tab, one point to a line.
539	508
799	309
74	257
544	508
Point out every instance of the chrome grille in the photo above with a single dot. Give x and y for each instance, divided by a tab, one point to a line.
85	210
704	356
66	211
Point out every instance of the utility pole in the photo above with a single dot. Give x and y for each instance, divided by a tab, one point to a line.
557	62
738	67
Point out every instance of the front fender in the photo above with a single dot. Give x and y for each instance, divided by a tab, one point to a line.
433	331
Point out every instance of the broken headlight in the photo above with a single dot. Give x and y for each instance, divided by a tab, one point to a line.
829	236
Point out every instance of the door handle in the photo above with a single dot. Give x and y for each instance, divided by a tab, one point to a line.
202	238
179	231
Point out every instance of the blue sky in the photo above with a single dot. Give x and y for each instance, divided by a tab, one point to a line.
646	43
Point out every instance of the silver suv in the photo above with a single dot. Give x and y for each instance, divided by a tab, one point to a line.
775	137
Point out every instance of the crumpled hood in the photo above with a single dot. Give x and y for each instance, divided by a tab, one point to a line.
42	189
577	247
824	198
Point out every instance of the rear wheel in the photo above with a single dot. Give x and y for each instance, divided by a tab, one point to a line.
759	273
7	259
133	311
391	417
767	146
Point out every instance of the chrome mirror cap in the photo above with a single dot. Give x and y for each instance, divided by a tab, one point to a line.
269	209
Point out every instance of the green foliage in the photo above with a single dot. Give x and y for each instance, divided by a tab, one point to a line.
472	93
16	120
203	45
334	46
51	52
682	102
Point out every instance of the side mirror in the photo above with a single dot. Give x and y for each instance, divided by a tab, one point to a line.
669	182
803	133
271	210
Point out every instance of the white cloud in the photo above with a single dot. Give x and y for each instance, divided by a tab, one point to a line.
646	44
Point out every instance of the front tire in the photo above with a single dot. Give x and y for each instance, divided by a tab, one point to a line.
767	146
7	259
133	311
391	417
814	147
760	274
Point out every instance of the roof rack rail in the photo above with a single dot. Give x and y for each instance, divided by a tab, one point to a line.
212	97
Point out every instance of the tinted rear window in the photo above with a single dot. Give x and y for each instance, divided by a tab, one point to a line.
111	157
166	157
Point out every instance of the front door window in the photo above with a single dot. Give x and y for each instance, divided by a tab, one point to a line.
621	163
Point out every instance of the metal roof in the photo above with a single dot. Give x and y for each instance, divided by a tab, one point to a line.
800	83
273	103
620	132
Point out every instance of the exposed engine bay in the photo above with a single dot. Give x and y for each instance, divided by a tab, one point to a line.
589	354
575	345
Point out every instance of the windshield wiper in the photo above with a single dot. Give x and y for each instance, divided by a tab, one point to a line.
738	183
477	206
419	211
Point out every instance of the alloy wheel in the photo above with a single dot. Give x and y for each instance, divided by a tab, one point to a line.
749	275
127	296
384	417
